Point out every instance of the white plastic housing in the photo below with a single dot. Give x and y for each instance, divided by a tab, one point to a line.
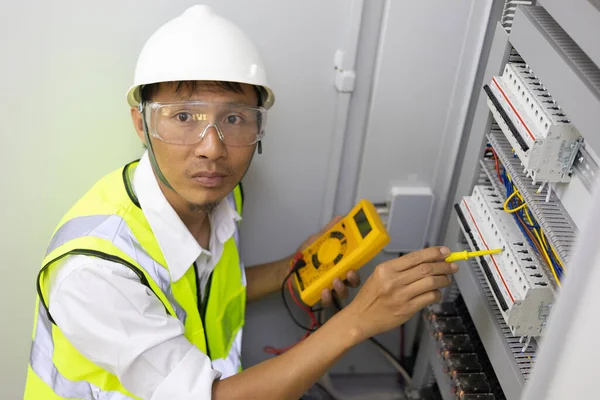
548	142
520	285
409	217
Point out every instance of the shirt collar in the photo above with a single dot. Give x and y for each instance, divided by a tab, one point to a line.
177	244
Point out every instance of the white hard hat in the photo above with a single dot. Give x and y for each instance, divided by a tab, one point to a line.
199	45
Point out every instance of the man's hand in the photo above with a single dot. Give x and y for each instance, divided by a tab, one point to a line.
340	288
399	288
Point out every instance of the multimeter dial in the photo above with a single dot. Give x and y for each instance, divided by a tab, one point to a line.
331	250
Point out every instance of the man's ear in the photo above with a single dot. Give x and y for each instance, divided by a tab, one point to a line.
136	118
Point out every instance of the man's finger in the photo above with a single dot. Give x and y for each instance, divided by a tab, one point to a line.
428	284
326	298
410	260
352	279
427	269
340	288
423	300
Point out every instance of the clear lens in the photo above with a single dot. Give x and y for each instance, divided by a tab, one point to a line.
188	122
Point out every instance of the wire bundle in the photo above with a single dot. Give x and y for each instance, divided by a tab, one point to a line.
516	205
314	320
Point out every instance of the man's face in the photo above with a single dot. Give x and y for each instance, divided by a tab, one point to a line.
201	174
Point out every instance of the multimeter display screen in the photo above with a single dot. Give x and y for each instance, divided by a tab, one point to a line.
362	223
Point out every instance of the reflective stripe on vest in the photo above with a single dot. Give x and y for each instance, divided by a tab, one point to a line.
231	365
114	229
41	363
236	237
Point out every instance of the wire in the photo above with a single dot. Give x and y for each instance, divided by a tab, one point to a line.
557	258
393	360
552	252
508	200
532	231
324	390
497	164
542	239
550	263
520	212
287	307
315	324
387	354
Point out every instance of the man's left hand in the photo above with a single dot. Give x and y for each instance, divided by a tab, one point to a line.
341	288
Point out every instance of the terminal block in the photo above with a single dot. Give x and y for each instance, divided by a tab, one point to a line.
433	311
542	136
475	396
455	344
442	326
519	284
456	363
471	382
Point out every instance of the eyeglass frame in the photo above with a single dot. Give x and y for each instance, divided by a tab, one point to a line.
153	105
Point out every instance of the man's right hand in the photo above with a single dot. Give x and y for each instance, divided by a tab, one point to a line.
399	288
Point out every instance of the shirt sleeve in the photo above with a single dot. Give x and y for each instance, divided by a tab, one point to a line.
116	322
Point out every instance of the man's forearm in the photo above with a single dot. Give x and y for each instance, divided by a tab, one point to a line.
291	374
265	279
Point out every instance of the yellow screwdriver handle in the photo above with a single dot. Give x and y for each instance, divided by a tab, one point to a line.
458	255
465	255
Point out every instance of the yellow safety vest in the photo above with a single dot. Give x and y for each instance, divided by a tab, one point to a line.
109	223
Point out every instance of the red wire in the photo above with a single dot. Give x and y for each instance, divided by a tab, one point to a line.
314	323
496	162
298	302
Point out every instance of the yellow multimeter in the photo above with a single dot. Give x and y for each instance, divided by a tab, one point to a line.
348	245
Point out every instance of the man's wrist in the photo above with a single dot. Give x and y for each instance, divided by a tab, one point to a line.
348	326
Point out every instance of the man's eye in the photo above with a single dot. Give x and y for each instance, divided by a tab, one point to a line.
183	117
233	119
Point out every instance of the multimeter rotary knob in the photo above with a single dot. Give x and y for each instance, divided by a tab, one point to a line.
331	250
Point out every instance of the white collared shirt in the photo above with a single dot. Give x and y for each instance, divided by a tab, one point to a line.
119	324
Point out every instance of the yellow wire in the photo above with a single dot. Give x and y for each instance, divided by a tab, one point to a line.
557	259
547	259
528	216
544	241
541	239
543	245
516	192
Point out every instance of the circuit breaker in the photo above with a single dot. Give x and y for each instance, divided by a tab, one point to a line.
539	131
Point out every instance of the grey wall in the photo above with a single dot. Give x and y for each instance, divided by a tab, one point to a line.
426	63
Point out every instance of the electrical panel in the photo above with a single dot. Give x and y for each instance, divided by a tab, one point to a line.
528	166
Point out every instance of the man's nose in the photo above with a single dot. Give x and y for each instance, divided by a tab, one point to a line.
210	145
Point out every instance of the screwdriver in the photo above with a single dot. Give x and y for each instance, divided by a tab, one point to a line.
465	255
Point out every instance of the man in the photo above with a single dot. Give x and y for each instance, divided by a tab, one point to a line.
142	292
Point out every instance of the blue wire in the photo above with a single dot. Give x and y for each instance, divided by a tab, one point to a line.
525	227
509	190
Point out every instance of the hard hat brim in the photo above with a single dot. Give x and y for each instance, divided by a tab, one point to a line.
134	95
